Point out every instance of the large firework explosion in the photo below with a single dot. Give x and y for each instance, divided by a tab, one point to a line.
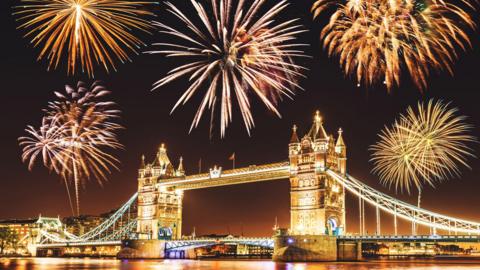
232	51
88	32
73	137
376	40
424	146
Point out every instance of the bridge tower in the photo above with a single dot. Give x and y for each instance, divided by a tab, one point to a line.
317	202
159	208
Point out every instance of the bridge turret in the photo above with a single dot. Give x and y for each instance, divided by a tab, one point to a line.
142	163
159	209
141	170
341	150
294	139
316	200
180	171
293	150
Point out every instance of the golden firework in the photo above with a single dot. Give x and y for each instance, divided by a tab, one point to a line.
233	51
74	135
426	145
376	40
87	31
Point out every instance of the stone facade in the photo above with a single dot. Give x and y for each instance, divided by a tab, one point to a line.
159	208
294	248
317	202
142	249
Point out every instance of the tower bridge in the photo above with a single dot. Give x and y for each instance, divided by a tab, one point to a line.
317	171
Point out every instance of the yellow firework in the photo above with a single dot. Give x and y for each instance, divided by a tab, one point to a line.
87	32
376	40
231	52
426	145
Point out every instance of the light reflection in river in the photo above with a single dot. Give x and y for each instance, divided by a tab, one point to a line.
112	264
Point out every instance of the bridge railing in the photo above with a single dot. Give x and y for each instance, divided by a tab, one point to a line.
404	210
106	231
192	243
252	173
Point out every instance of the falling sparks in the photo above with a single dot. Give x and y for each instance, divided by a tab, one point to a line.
233	51
89	32
76	130
376	40
426	145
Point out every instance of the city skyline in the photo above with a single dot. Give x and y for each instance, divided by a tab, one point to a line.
361	112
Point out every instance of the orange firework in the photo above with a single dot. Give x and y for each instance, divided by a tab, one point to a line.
87	31
376	40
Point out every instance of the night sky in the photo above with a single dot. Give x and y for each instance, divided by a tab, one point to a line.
27	86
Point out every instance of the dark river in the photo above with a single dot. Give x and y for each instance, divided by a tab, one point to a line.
112	264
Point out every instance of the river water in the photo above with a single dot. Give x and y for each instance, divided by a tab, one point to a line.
112	264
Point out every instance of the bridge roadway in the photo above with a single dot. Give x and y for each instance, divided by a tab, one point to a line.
268	242
217	177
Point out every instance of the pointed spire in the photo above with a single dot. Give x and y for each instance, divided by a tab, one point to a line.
162	159
317	132
340	142
294	138
180	170
162	148
142	164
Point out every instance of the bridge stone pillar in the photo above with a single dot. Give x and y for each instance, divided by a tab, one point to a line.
159	208
317	204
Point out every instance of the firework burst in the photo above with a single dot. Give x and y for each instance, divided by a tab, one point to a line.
426	145
233	51
76	130
87	31
376	40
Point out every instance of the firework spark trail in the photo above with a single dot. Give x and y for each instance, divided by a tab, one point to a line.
426	145
376	40
76	130
44	143
87	31
236	54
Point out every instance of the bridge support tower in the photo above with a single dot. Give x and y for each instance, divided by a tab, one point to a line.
159	208
317	202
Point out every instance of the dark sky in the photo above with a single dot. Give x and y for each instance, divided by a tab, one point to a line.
26	87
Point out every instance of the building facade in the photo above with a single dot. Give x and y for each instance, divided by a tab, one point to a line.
159	208
28	231
79	225
317	202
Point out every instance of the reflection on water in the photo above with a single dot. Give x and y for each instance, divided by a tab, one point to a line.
112	264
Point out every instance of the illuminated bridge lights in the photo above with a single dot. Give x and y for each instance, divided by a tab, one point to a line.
253	173
99	235
186	244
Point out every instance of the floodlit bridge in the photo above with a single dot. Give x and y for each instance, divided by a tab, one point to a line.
319	181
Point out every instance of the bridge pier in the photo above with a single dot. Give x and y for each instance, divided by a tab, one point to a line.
349	251
310	248
142	249
301	248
